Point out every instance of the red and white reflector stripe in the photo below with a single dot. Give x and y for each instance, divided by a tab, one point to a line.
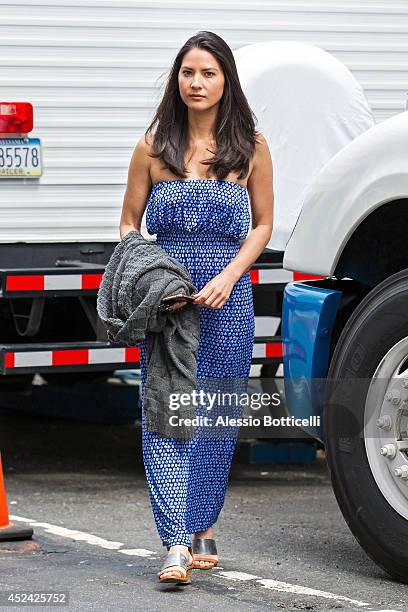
78	282
264	276
52	282
93	356
267	350
27	359
299	276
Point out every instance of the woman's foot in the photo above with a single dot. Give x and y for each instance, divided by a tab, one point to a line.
174	571
202	563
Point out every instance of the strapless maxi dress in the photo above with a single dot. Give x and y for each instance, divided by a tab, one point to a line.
200	222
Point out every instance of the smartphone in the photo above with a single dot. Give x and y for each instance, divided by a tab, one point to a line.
175	298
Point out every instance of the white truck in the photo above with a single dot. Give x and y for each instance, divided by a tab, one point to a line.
64	154
345	337
50	274
341	189
61	192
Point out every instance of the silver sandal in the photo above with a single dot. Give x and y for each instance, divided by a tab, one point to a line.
205	549
178	561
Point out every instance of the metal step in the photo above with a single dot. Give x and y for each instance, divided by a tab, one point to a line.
85	356
81	278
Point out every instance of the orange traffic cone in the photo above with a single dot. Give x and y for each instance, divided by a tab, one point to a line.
9	531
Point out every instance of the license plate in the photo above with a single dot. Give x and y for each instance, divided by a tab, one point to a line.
20	158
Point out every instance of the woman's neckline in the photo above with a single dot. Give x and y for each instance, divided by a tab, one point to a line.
200	181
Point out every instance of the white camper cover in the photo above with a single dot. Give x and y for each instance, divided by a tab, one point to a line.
308	106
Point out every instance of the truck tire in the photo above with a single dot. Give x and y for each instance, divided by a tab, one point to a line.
365	415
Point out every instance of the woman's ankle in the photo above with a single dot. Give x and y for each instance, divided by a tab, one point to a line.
208	533
182	547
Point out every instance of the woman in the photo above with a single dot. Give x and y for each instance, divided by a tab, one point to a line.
200	221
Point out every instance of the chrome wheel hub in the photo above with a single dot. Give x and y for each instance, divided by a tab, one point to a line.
386	426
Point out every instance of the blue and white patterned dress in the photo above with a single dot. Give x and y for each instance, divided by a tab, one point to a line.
199	222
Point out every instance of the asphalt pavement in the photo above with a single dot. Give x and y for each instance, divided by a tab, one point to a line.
282	541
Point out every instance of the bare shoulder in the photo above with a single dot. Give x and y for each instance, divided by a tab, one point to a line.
260	139
261	148
261	145
141	157
261	161
262	153
144	145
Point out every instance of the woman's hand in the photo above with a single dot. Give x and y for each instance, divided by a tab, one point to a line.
217	291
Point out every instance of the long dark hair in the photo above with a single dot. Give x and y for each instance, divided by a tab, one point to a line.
234	128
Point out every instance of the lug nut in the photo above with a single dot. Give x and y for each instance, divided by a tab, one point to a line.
393	396
384	422
389	450
401	472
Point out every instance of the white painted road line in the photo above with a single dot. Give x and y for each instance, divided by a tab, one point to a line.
237	575
72	534
137	552
286	587
275	585
76	535
301	590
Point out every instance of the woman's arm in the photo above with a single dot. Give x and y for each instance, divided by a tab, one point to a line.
260	188
137	189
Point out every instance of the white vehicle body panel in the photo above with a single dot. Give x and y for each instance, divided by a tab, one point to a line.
93	70
368	172
309	106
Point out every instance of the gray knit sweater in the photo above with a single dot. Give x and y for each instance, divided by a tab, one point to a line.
136	278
